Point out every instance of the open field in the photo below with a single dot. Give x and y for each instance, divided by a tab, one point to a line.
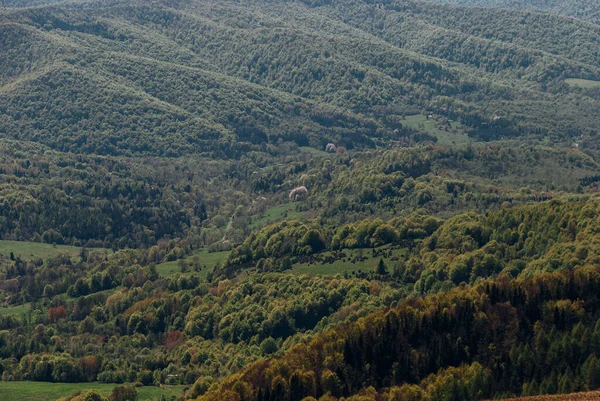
313	151
42	391
582	83
206	260
168	268
421	123
276	213
589	396
31	250
15	310
345	265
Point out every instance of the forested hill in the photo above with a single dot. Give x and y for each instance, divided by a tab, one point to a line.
223	78
583	9
531	336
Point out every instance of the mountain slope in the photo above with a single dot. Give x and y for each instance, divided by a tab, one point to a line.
231	76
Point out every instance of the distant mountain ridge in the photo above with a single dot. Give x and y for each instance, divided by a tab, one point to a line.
224	78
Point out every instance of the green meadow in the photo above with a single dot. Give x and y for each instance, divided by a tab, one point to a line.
205	259
313	151
582	83
345	265
453	134
42	391
33	250
287	211
15	310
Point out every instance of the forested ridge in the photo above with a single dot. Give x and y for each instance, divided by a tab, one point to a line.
173	78
583	9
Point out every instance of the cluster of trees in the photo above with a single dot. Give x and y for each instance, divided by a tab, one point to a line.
376	233
520	241
500	337
58	367
99	202
47	282
111	202
176	329
409	182
278	245
285	239
255	312
29	280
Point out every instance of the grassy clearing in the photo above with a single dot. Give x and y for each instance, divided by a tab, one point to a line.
287	211
33	250
15	310
452	135
205	259
333	269
313	151
345	265
582	83
41	391
168	268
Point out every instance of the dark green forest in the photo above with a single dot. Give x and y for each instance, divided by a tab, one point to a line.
300	200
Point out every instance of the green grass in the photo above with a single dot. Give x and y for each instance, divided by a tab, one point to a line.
15	310
168	268
420	122
276	213
345	266
33	250
313	151
206	259
41	391
582	83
